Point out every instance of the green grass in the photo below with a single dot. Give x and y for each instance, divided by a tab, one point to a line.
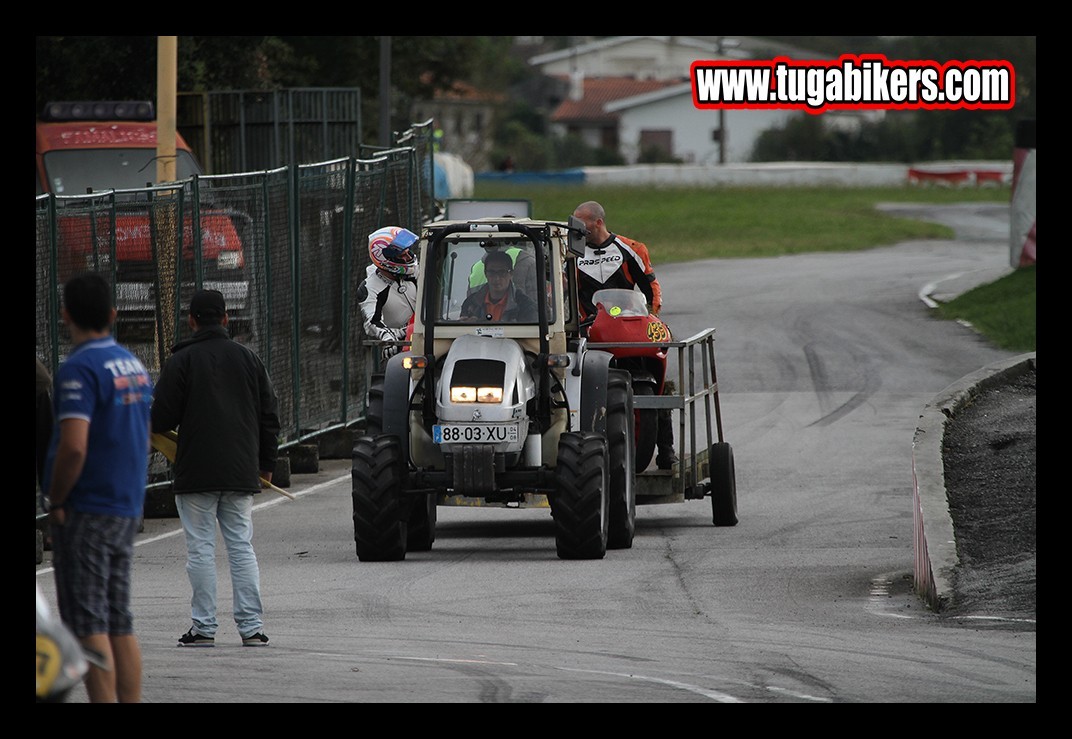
1003	311
683	224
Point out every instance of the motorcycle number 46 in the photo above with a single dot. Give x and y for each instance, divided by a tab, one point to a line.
463	433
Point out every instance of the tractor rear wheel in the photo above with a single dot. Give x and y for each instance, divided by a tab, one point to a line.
647	428
420	528
622	450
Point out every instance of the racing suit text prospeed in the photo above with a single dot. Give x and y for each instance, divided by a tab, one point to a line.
387	305
618	262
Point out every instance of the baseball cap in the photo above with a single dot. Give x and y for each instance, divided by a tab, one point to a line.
207	303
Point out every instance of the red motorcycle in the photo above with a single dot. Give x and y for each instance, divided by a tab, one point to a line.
639	339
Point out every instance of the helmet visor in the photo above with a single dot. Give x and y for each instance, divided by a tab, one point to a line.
398	256
404	239
398	250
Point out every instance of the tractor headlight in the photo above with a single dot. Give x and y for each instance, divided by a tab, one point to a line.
489	395
469	394
463	395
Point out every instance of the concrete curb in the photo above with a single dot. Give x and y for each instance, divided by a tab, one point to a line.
934	542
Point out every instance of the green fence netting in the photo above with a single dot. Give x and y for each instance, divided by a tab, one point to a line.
287	247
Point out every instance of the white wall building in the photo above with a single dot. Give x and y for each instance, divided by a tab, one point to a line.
604	111
668	119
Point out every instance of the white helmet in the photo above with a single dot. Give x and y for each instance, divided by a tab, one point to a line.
389	248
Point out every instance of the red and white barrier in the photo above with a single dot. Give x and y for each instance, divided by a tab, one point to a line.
964	175
1022	209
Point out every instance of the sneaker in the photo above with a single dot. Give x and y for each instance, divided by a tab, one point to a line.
666	461
192	639
255	640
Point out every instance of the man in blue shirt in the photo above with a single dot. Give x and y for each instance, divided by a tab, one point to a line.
94	486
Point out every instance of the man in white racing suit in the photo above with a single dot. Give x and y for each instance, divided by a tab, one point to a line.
388	295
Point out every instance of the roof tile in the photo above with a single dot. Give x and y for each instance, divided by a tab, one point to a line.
598	91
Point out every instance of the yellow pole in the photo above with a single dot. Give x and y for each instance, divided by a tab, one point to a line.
166	92
167	444
165	207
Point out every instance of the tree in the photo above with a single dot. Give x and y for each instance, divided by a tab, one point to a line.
918	135
124	67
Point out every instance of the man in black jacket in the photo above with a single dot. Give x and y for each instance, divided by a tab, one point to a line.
218	395
499	300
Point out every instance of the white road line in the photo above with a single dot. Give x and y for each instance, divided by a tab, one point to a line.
168	534
458	661
712	694
927	290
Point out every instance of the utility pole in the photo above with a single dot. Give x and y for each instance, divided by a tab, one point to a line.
167	222
385	91
721	119
166	92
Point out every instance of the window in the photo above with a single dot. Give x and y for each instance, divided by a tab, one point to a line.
468	295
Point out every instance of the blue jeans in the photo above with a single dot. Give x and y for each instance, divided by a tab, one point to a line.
199	513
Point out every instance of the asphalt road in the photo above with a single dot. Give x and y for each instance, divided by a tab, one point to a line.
824	363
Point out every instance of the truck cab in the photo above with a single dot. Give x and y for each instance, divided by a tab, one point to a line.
99	161
88	147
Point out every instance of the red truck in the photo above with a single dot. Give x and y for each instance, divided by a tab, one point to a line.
95	147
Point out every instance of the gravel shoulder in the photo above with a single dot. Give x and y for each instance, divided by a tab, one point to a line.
989	454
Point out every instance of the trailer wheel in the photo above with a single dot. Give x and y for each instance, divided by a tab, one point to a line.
379	523
647	428
622	450
723	485
580	504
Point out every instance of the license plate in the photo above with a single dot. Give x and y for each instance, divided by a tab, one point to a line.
471	433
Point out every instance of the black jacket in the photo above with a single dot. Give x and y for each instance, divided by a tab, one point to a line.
519	308
218	395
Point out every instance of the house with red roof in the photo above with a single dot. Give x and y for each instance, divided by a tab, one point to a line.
633	95
585	113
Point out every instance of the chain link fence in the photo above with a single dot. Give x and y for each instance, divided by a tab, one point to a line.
287	247
244	130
